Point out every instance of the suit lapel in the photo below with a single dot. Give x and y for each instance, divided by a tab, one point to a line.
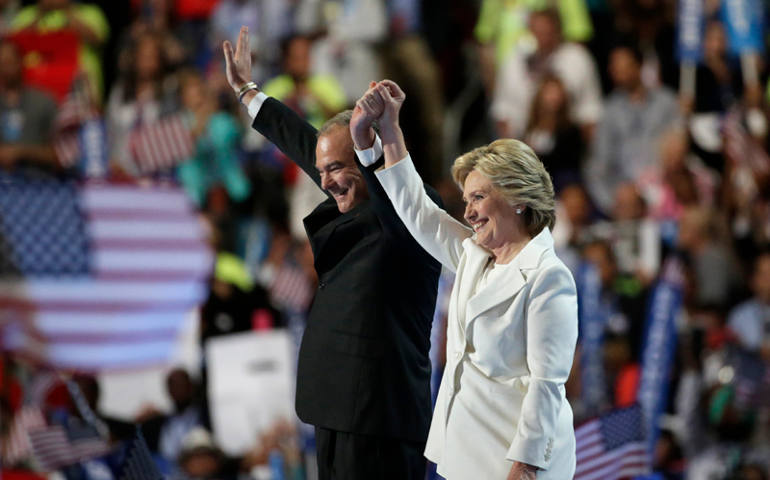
504	288
475	259
508	284
321	223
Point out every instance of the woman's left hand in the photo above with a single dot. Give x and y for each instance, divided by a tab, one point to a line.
522	471
393	97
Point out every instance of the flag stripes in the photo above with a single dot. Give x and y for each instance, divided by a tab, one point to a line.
612	446
98	276
55	447
161	145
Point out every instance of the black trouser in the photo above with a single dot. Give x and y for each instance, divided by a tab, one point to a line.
349	456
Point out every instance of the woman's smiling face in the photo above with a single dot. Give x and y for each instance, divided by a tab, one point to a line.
492	218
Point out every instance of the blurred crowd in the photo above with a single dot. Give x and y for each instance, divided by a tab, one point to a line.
652	162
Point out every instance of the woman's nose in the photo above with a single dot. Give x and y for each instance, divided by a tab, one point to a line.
469	212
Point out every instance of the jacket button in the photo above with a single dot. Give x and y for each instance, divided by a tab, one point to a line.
321	285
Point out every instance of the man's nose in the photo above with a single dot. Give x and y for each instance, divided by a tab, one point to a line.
325	181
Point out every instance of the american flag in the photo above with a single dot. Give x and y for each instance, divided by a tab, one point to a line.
161	145
741	148
16	447
77	108
67	149
139	464
291	289
56	446
97	276
612	446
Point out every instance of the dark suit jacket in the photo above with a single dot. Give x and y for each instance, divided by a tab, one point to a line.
363	363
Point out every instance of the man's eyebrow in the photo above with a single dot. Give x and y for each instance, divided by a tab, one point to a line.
330	165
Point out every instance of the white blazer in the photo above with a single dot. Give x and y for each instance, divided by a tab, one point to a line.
509	348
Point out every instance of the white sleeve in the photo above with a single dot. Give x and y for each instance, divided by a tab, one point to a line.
434	229
370	155
551	326
256	103
588	98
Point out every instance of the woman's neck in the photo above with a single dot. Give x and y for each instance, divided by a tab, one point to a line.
507	252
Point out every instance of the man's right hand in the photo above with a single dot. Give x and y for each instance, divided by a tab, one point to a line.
238	63
368	108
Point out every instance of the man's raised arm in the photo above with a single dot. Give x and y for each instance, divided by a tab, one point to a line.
279	124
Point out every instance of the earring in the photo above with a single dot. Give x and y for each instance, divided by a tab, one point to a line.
518	211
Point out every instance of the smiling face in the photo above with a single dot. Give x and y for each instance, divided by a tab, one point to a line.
339	173
492	218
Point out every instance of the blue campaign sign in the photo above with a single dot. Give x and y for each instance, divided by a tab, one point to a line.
690	30
659	346
745	25
93	148
592	320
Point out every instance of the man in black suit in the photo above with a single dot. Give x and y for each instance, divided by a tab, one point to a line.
363	376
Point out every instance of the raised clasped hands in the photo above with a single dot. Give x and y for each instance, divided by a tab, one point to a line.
381	103
238	63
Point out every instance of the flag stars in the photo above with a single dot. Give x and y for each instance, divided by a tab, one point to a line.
41	229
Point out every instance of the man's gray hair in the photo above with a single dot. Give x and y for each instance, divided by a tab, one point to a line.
342	119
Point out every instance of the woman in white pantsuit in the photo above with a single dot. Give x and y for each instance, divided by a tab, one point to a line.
501	411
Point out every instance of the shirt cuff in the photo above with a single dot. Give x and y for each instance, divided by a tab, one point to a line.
369	156
256	103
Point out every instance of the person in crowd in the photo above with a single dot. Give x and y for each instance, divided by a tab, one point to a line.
408	60
634	119
200	457
363	374
668	459
8	10
502	27
718	83
622	299
551	133
350	33
750	320
165	434
26	117
235	303
155	17
649	25
718	89
143	93
501	410
716	273
269	22
622	371
634	236
520	74
216	134
679	180
315	97
118	430
86	20
574	217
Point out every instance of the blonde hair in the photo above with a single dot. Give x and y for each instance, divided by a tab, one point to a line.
517	173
